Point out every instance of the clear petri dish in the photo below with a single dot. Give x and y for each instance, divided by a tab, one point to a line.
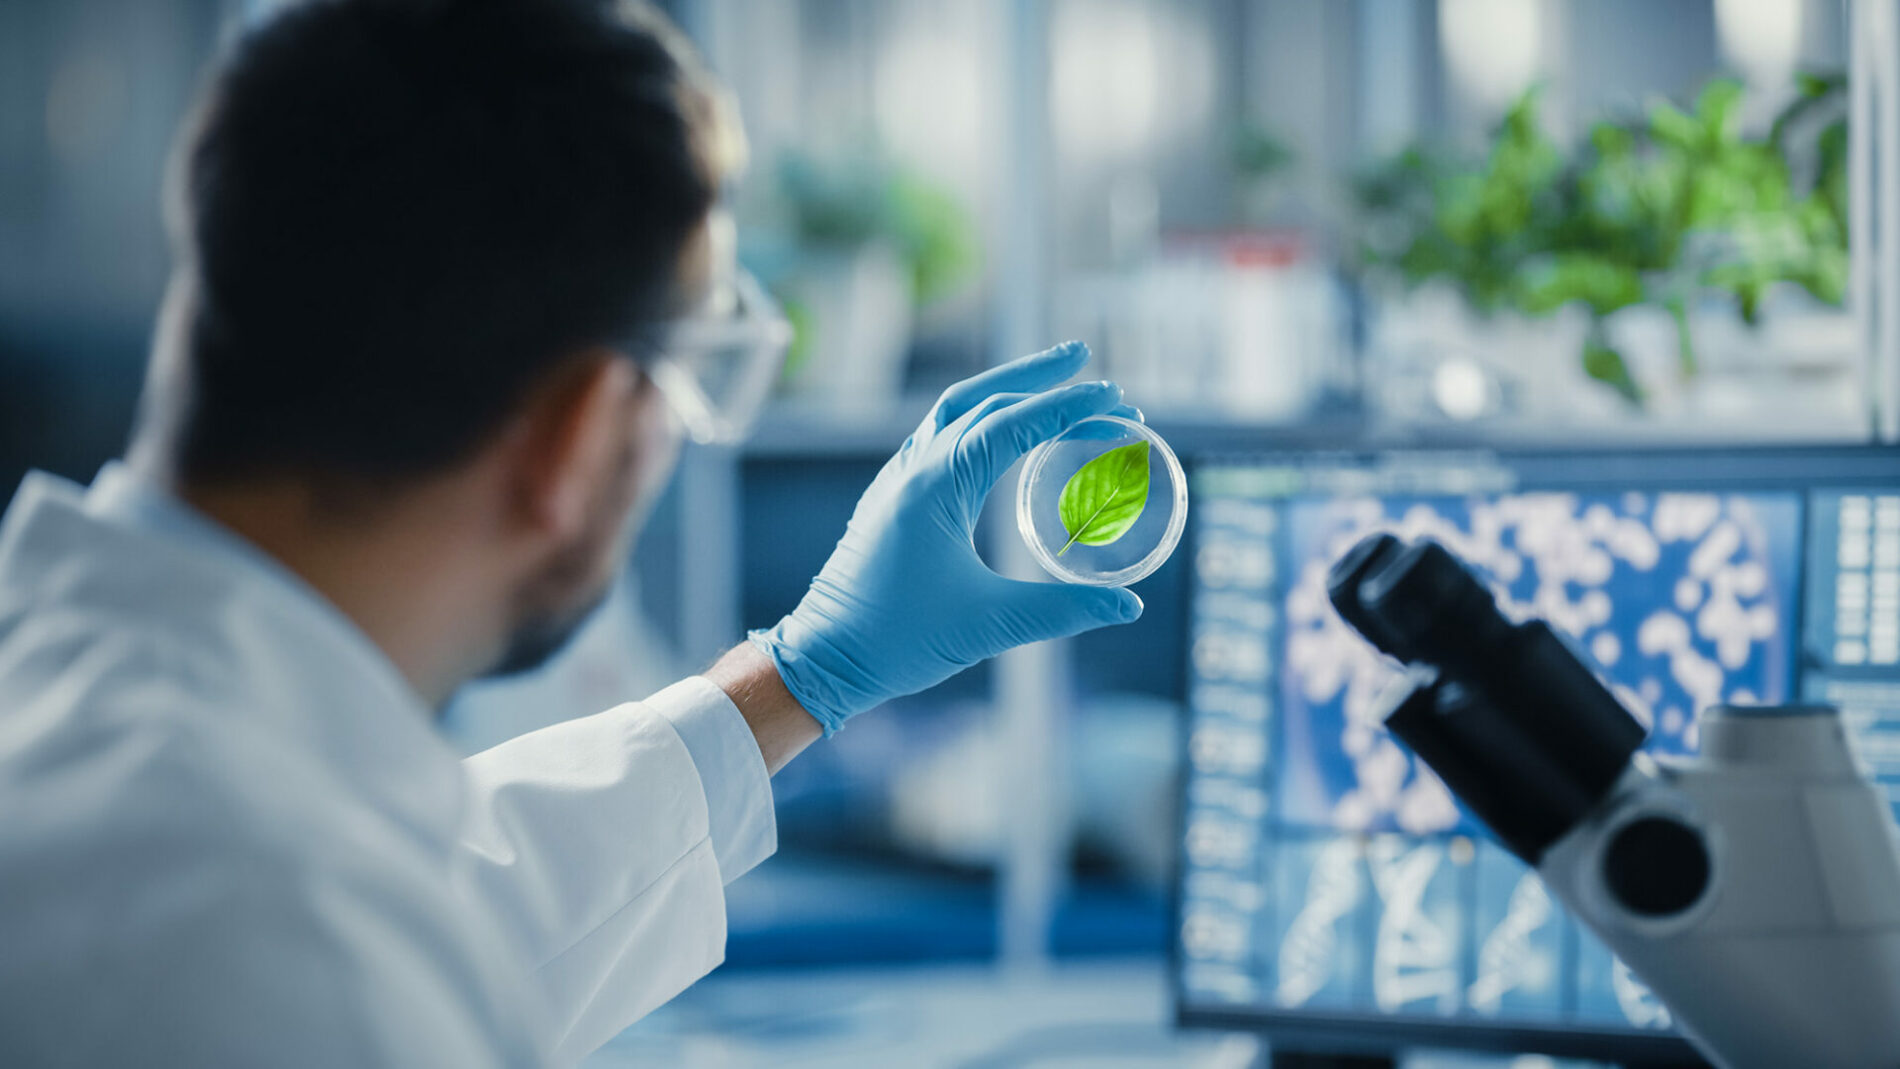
1122	518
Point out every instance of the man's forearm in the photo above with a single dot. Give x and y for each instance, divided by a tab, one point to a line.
781	726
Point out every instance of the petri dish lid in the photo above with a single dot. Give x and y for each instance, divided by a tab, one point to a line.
1122	518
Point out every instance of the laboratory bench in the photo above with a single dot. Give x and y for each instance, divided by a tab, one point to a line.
1112	1014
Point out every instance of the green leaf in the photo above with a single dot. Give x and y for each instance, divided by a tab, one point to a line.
1605	364
1717	106
1105	497
1670	126
1602	283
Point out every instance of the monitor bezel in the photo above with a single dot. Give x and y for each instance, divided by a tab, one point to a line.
1800	468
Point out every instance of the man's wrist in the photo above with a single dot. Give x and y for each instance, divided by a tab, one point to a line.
781	726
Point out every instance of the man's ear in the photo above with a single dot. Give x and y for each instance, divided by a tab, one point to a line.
572	440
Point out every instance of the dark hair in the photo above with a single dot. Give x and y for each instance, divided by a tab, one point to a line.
396	216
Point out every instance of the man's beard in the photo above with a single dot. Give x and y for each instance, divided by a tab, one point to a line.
571	587
536	642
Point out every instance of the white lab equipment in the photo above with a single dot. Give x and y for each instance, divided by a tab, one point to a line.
1754	887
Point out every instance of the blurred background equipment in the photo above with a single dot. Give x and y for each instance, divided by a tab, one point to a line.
1592	228
1721	878
1333	891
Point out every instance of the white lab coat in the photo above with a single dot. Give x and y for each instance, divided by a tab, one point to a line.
230	836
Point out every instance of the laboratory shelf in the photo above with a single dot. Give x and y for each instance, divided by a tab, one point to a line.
804	430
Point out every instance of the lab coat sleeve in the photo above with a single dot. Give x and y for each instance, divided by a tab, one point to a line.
739	815
594	838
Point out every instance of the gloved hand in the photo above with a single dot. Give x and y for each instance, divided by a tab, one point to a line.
905	602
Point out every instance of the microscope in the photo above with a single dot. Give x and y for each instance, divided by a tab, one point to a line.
1754	887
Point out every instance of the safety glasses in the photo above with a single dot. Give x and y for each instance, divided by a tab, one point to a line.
716	367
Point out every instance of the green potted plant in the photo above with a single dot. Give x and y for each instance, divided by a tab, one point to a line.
1675	211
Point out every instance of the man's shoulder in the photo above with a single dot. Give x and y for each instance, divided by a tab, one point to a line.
95	607
80	686
109	733
207	854
96	625
129	813
175	899
118	732
216	886
131	704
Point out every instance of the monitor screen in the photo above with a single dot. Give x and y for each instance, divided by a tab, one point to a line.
1330	885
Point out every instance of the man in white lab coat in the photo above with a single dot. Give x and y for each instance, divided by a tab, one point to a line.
450	281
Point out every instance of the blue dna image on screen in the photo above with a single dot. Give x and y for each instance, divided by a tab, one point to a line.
1682	600
1326	872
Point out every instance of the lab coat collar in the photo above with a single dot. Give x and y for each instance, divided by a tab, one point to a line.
273	650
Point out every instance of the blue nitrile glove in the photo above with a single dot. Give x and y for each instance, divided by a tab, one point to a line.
905	602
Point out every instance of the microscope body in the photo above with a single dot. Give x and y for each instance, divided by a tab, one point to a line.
1754	887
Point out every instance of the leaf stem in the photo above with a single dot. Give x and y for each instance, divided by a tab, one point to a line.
1685	344
1090	522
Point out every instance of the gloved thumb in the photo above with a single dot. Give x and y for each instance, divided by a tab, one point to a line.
1057	610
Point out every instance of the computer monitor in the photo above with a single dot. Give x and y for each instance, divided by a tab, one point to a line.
1330	892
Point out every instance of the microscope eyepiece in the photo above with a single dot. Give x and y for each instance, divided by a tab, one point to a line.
1348	576
1507	714
1428	603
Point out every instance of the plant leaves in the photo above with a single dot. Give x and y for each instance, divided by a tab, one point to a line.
1602	283
1105	497
1659	209
1606	365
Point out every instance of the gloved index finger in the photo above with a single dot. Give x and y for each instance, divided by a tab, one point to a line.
1028	374
1103	431
998	439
